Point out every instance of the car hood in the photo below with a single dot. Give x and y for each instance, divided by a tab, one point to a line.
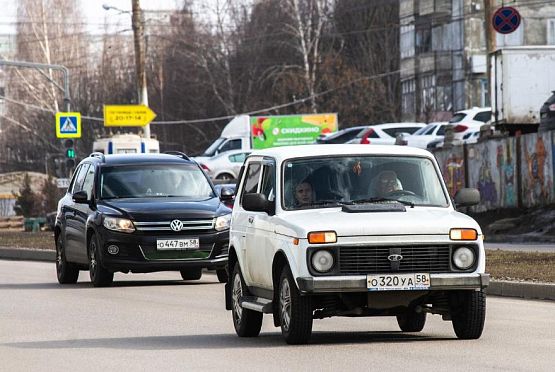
415	221
158	209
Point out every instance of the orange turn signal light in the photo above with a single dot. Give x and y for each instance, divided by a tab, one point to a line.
321	237
463	234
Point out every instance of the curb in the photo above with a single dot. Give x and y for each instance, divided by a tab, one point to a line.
536	291
539	291
28	254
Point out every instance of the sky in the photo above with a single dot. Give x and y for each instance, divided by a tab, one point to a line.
93	11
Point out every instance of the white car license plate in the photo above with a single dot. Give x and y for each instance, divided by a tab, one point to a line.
162	244
398	282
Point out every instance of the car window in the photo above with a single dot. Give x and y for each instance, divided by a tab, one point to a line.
238	158
234	144
430	131
252	179
441	130
392	132
348	179
155	180
267	186
89	182
77	186
483	116
73	177
369	133
457	117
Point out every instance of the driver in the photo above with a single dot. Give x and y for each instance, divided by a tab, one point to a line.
387	183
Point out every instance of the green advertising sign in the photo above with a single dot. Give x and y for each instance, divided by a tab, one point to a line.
290	130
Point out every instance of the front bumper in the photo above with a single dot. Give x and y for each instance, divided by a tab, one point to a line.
357	283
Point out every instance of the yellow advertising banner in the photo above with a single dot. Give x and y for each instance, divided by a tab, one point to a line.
127	115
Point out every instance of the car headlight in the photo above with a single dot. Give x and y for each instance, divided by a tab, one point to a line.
118	224
322	261
464	258
222	222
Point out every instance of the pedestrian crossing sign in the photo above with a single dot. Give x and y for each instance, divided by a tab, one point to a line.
68	125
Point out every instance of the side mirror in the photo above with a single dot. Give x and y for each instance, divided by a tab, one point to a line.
467	197
256	203
226	194
81	197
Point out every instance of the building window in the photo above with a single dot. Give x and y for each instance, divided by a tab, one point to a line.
424	40
551	31
428	93
407	41
407	96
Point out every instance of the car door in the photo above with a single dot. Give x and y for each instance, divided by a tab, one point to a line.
241	217
260	232
82	213
69	212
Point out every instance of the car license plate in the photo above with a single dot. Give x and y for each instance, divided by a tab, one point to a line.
398	282
162	244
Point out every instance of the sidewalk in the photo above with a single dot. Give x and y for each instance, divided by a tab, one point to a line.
527	290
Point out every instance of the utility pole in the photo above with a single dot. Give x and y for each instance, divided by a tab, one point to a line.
490	41
140	56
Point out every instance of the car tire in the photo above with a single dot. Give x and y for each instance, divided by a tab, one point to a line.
67	272
100	277
222	275
468	313
411	321
191	274
247	322
295	311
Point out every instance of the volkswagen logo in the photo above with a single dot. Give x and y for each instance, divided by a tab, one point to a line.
394	257
176	225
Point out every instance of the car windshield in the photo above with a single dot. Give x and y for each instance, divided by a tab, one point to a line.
154	180
211	150
338	180
423	130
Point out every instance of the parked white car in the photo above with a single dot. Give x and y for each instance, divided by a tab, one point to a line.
482	114
385	134
225	166
349	230
423	136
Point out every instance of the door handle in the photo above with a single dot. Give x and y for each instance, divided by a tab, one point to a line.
251	219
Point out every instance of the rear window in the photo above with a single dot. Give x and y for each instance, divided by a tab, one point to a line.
394	131
483	116
457	117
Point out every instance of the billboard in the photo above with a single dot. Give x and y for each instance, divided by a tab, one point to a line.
290	130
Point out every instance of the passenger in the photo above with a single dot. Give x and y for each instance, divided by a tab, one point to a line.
387	183
303	194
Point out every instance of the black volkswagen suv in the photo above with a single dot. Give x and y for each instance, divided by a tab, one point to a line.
141	213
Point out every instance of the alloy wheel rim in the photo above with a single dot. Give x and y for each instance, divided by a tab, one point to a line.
93	259
59	255
236	296
285	304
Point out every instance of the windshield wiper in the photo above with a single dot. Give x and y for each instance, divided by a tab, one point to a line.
331	202
379	200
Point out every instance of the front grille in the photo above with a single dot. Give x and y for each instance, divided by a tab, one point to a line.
188	225
370	260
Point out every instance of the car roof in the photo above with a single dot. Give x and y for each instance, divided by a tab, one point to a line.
289	152
122	159
473	110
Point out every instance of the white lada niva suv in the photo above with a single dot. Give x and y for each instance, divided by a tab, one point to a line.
349	230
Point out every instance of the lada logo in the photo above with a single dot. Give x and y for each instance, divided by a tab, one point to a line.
394	257
176	225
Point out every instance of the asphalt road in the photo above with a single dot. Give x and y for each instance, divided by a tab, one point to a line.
157	322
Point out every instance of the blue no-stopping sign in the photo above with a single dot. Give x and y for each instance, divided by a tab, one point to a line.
506	20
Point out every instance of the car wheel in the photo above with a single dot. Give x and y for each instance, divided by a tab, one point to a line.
191	274
411	321
295	311
247	322
100	277
468	313
224	177
222	275
67	272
